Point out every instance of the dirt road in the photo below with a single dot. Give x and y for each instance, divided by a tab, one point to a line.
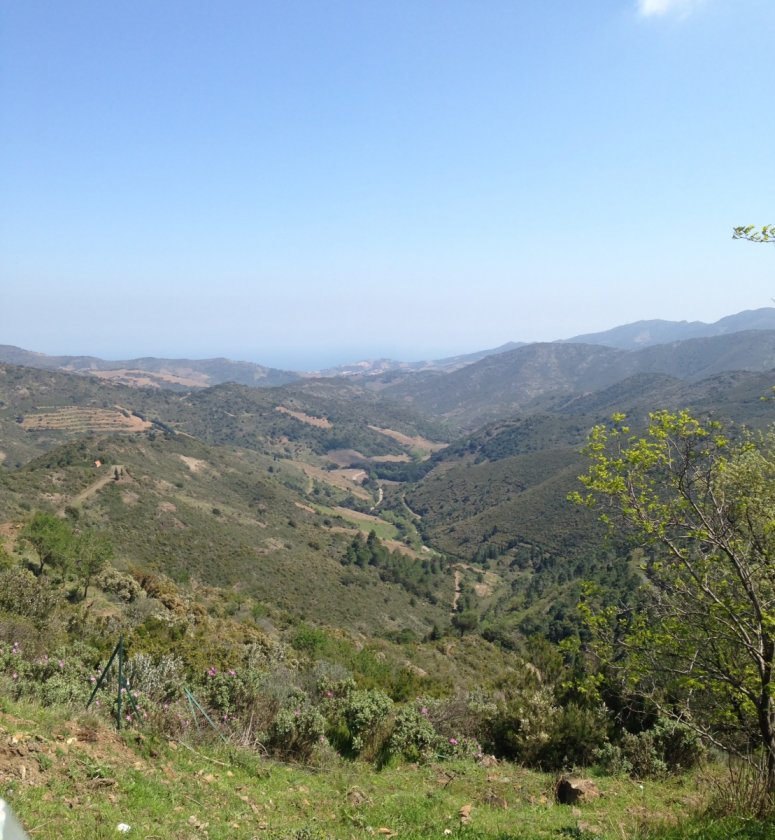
110	475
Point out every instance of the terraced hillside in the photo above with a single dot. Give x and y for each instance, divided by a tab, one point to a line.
77	420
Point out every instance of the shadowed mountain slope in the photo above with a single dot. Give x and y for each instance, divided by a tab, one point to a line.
511	382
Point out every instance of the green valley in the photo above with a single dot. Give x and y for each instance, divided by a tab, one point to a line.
375	576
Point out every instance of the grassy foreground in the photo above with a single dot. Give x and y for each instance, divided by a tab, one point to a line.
71	778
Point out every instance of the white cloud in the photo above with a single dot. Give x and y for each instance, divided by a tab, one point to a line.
654	8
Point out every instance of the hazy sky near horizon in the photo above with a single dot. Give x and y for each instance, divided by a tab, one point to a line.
306	182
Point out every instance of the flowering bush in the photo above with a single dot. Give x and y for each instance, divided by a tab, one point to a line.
59	679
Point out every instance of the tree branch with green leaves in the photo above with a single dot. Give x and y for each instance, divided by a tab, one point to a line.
702	646
752	233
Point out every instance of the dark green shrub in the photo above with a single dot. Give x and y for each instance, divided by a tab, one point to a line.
643	756
295	732
574	738
668	747
21	593
413	736
679	746
309	639
359	722
521	727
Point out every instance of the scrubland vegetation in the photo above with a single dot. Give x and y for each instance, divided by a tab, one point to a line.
422	653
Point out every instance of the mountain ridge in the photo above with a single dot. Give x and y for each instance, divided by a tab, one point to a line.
510	382
182	374
641	334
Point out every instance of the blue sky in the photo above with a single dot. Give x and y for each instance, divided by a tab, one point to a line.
310	181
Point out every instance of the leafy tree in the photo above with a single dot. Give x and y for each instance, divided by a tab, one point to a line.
466	621
702	646
50	536
21	593
753	234
91	552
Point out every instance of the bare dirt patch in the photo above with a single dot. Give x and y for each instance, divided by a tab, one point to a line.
194	464
318	422
129	498
417	442
30	758
9	529
458	589
167	507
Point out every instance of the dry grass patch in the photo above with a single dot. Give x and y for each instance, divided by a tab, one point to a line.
318	422
336	478
347	513
416	442
194	464
348	457
147	379
396	545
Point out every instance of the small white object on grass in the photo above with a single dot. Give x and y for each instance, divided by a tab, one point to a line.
123	828
9	825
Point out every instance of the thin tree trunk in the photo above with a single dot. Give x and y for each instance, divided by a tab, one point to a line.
767	718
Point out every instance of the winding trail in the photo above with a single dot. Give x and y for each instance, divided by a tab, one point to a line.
458	590
406	505
380	497
110	475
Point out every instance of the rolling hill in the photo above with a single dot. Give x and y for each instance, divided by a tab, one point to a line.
177	374
263	491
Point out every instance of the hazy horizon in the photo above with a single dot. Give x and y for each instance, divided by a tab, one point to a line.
329	357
